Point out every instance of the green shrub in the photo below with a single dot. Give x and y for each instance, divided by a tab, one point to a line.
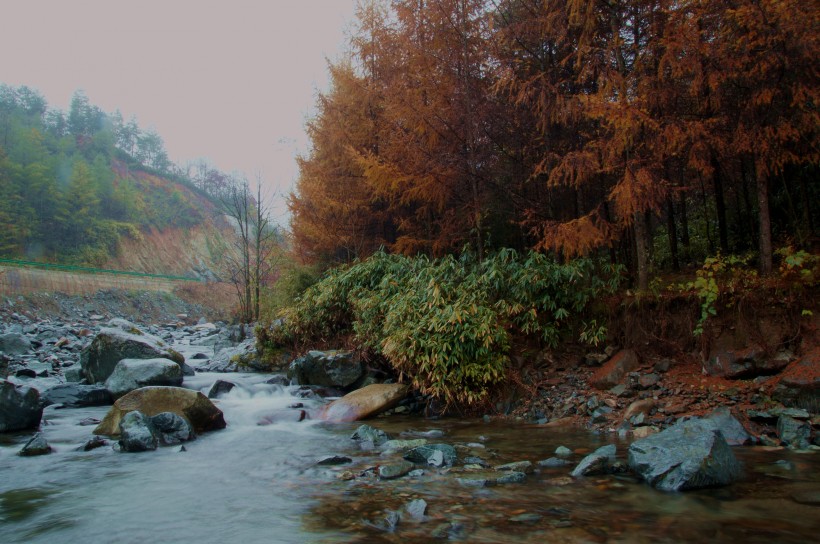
447	324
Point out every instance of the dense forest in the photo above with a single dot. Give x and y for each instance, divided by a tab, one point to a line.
72	184
652	133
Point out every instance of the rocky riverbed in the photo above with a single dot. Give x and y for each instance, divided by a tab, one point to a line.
589	456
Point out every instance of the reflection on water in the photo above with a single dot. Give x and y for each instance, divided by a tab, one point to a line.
257	482
550	507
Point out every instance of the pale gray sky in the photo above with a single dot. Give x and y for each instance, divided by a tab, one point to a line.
231	81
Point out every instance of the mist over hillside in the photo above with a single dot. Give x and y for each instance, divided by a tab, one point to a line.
86	187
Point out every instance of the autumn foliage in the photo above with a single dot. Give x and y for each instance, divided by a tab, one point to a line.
657	131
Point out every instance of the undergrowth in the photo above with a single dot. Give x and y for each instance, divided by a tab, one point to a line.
447	324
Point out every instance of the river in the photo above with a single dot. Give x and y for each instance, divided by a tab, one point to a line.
260	483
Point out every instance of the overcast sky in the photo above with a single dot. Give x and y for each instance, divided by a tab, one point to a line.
231	81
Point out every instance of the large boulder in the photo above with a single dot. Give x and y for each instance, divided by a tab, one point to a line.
112	345
232	358
200	412
732	430
327	368
20	407
14	343
614	370
743	363
130	374
73	395
688	455
365	402
794	433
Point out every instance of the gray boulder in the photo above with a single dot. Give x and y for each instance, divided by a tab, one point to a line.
138	433
688	455
173	428
327	368
597	462
731	428
436	454
219	388
36	446
130	374
229	359
19	407
370	434
391	471
74	395
13	343
794	433
112	345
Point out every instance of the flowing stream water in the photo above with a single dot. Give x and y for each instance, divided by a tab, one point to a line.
260	483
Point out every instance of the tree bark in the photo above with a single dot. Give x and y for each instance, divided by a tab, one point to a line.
672	232
720	206
765	233
641	251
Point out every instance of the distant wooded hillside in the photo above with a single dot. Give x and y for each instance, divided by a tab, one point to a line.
73	185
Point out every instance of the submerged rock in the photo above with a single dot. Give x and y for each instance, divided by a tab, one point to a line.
688	455
36	446
395	470
365	402
415	510
402	445
219	388
597	462
553	462
490	479
440	454
371	434
195	407
333	460
94	443
130	374
20	407
518	466
112	345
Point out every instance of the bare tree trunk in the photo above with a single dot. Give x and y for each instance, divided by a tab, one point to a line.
672	232
641	251
720	206
765	239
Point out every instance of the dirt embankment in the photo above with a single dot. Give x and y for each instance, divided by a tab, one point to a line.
754	358
194	252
